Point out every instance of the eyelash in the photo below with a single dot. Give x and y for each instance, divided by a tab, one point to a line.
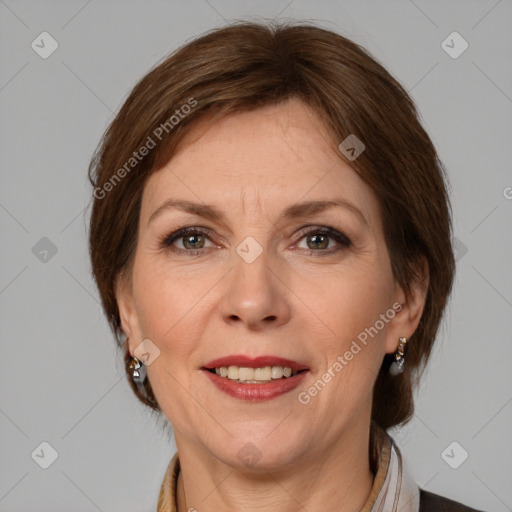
167	241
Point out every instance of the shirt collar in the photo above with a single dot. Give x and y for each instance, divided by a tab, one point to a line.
393	488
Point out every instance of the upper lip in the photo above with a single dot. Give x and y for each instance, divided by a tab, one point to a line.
254	362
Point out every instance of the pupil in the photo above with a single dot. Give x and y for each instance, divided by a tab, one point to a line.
190	240
316	238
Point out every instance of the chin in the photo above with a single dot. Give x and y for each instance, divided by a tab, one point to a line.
264	453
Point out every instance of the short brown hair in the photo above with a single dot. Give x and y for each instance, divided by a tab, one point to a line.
245	66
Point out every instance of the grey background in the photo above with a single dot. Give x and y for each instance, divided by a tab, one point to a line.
61	378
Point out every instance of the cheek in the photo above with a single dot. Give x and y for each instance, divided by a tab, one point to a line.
174	308
165	299
346	331
159	310
348	301
170	306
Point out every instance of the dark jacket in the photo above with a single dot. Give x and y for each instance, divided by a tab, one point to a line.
430	502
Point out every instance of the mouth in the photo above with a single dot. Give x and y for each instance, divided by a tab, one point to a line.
255	379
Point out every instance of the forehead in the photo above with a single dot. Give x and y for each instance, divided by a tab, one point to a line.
272	156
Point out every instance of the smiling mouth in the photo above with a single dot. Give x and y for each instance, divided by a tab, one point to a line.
247	375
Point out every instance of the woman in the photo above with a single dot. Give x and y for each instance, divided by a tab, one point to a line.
271	237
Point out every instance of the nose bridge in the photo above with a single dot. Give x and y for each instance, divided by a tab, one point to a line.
254	295
251	280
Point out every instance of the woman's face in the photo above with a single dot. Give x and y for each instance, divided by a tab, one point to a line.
268	270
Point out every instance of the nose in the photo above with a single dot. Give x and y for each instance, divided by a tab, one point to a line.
256	294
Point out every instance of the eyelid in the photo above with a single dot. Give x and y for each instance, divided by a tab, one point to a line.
326	230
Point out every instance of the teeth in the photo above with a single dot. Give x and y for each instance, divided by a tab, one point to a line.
232	372
262	373
254	375
277	372
245	373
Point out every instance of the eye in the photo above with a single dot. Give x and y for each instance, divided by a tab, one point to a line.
318	241
191	239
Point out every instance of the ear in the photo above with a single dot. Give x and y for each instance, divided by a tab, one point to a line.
127	314
407	319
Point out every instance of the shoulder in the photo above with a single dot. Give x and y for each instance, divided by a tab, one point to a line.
435	503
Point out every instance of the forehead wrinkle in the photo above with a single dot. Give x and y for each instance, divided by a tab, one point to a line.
246	198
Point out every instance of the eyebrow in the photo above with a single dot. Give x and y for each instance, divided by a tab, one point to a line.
295	211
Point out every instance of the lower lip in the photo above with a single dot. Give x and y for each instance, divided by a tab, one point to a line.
256	392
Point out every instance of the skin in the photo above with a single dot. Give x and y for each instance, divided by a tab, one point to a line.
288	302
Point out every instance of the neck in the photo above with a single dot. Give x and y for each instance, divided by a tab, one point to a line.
338	478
